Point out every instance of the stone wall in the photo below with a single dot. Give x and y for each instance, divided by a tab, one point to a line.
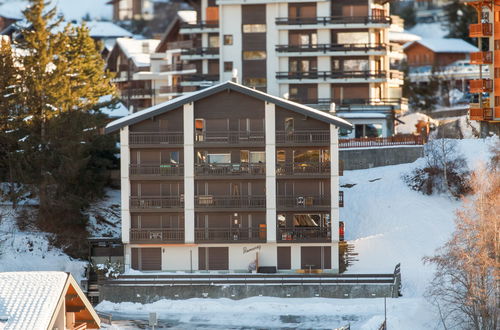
362	158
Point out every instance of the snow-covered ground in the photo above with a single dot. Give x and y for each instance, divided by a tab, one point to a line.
386	221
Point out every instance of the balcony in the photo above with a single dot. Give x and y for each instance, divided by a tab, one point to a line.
137	93
200	77
481	58
230	235
331	48
229	137
158	139
156	235
481	86
332	75
199	27
480	30
480	114
230	169
158	170
177	67
156	202
231	202
303	202
335	20
312	137
303	169
202	52
179	44
176	89
303	234
369	104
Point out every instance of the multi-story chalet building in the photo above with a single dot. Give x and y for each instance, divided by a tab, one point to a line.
486	107
230	178
132	9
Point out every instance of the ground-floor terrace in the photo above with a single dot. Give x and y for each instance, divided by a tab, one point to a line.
237	258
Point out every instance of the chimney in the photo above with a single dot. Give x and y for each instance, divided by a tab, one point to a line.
234	78
286	96
332	108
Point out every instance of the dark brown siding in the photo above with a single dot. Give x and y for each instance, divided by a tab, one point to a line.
230	105
135	258
318	257
253	14
213	258
171	121
284	257
300	123
151	258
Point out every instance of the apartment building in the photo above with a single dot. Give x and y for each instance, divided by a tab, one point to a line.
486	106
230	178
132	9
311	52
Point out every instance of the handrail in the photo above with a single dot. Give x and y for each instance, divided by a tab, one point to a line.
156	202
302	201
230	234
325	20
157	169
216	169
201	51
397	140
331	47
241	201
302	168
156	138
157	234
363	74
303	137
200	24
234	137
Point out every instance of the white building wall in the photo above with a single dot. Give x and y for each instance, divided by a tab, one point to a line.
272	39
188	118
125	183
231	53
270	126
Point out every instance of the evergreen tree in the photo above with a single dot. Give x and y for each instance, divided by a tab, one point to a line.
458	17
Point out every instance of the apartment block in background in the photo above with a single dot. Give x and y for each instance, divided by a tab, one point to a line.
486	106
230	178
124	10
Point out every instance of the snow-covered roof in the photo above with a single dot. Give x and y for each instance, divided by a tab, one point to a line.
138	51
12	9
402	36
28	299
430	30
444	45
361	115
106	30
187	15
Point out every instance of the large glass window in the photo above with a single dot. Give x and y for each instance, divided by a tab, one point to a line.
367	130
219	158
257	157
356	65
254	28
352	37
310	220
254	55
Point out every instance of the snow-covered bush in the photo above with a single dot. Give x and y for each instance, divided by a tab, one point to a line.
109	269
445	170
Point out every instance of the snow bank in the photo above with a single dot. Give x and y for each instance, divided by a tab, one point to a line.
410	120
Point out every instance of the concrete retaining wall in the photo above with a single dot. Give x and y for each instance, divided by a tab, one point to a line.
149	294
361	158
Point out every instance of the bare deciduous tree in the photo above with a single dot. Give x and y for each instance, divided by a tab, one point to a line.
466	283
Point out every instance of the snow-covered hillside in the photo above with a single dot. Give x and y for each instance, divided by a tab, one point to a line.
387	222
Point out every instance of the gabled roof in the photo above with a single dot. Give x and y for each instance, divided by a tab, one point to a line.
225	86
134	49
29	300
444	45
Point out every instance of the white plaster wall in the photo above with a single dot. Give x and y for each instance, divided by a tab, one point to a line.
270	122
323	8
272	39
324	90
324	36
323	63
188	118
240	260
175	258
231	53
334	182
125	183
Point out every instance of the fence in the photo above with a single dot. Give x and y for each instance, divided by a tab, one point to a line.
396	140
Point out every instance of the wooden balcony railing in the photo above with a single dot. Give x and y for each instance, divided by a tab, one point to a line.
156	235
303	234
481	57
200	25
227	235
481	85
157	170
156	202
331	75
326	20
201	51
245	202
152	138
323	48
480	30
303	137
232	169
303	201
480	114
231	137
397	140
303	168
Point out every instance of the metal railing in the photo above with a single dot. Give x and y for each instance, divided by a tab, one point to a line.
303	168
331	75
331	48
137	92
157	170
303	201
200	25
200	77
177	67
326	20
136	138
176	89
347	103
180	44
223	169
232	137
303	234
156	235
397	140
303	137
225	235
154	202
211	201
201	51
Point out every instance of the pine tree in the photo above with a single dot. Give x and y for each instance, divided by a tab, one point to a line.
459	16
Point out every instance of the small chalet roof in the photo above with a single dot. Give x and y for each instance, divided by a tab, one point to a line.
228	85
403	36
100	29
444	45
29	300
138	51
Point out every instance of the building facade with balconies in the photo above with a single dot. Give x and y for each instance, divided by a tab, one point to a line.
230	178
313	52
485	107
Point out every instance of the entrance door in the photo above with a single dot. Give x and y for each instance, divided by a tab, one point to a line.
213	258
284	257
315	257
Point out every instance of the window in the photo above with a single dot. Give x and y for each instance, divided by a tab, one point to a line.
228	66
213	41
219	158
255	82
280	156
254	28
257	157
367	130
352	38
356	65
289	126
254	55
228	39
